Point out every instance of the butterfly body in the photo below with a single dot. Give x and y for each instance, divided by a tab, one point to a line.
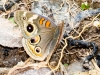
40	34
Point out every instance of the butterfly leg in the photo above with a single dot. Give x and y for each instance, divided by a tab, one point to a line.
84	44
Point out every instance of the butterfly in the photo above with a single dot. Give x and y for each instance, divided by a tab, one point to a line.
40	34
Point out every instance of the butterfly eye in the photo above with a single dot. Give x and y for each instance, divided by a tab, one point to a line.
38	50
35	40
30	28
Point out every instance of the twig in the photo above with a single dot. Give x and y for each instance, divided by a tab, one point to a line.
59	62
96	67
84	28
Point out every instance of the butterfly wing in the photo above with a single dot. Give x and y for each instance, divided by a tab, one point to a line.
40	34
46	44
32	24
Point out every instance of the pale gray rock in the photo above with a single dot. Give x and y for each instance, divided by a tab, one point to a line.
10	34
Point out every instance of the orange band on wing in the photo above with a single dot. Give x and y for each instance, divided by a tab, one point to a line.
47	24
41	21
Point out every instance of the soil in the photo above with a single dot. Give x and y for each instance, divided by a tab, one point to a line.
11	56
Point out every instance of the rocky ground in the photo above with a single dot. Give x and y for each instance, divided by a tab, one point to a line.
80	21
